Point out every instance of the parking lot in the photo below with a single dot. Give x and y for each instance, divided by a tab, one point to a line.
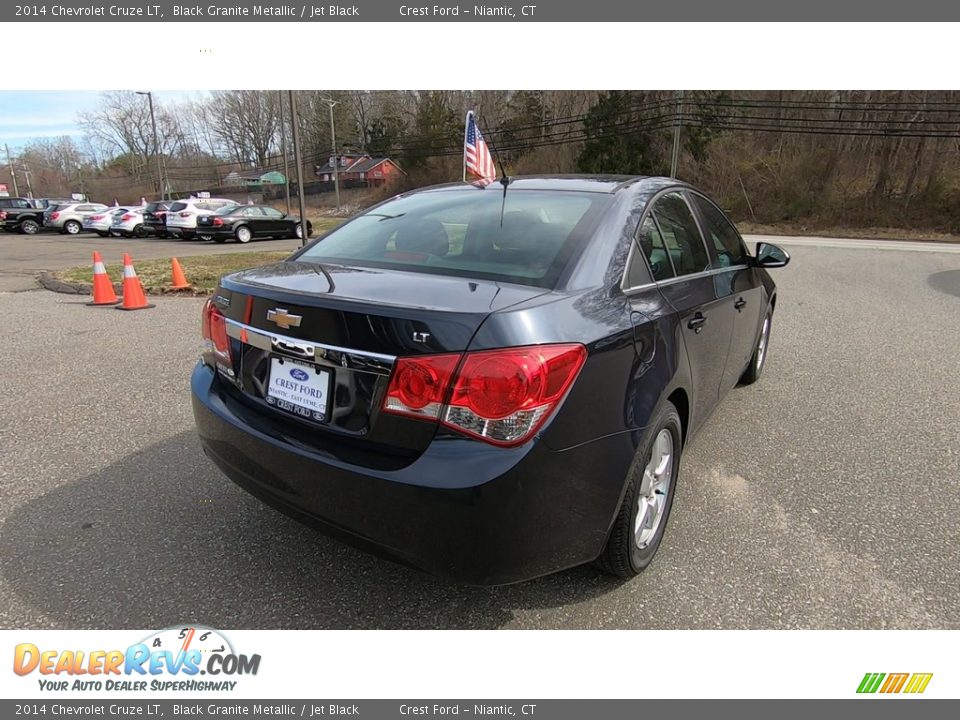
825	496
23	256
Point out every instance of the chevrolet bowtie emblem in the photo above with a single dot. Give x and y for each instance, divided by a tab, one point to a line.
283	318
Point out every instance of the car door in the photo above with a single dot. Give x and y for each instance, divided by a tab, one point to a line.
255	220
688	284
739	280
275	223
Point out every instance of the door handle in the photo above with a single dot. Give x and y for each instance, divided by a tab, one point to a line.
697	322
740	304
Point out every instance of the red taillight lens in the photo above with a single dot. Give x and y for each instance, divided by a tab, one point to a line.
504	396
96	217
184	214
54	216
214	329
126	218
218	222
418	385
500	396
3	215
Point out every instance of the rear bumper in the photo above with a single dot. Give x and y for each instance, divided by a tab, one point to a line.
463	510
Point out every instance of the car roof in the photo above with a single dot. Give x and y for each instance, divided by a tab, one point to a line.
571	183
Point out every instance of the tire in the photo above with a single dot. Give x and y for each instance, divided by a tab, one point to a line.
139	232
205	238
102	233
629	549
243	234
29	227
760	353
72	227
219	240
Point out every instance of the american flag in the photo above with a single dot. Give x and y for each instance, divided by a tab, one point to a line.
477	160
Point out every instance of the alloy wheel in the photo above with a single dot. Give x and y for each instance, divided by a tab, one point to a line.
654	486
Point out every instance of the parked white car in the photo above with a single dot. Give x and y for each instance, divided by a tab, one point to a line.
129	223
182	215
69	218
101	222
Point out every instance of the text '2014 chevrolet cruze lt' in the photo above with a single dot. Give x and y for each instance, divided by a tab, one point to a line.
488	383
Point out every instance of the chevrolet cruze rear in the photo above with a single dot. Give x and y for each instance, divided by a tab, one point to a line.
459	378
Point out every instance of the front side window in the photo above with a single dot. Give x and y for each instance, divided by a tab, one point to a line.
252	212
272	213
721	232
525	236
681	234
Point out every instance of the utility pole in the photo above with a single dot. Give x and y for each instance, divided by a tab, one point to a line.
336	155
156	144
80	176
676	137
283	149
13	171
26	174
295	121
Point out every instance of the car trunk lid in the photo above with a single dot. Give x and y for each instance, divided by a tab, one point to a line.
337	331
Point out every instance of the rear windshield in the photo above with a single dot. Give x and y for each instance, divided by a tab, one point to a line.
525	237
154	206
226	209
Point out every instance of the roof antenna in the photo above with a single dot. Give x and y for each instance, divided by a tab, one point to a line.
504	180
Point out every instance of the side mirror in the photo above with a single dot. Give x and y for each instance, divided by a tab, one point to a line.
771	256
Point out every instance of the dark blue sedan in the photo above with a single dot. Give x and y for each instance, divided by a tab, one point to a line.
488	383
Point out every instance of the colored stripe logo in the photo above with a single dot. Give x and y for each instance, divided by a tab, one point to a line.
913	683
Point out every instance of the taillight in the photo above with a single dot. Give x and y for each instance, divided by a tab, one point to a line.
500	396
96	217
218	222
126	218
214	329
54	216
418	385
3	215
185	214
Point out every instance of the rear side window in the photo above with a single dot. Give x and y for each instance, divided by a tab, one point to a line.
526	236
655	250
178	206
721	232
681	235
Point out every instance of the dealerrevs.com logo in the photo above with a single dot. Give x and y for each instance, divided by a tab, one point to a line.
178	659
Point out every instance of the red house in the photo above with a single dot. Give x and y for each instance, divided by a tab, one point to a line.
360	168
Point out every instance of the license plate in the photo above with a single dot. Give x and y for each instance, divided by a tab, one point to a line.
299	388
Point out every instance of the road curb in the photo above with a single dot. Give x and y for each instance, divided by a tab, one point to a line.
51	282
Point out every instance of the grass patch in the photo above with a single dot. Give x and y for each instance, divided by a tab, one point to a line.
202	271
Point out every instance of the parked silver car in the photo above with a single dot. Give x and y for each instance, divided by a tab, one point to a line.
68	219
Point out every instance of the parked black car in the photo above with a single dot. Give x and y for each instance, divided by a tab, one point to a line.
490	384
20	215
243	223
155	218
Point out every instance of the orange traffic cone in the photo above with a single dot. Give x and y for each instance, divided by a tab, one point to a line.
103	292
133	295
179	279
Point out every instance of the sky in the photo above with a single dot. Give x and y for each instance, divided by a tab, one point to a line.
26	115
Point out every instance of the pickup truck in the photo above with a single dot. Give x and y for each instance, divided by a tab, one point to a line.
20	215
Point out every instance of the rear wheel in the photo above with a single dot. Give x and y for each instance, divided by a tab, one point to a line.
642	519
139	232
219	240
72	227
29	227
755	368
102	233
243	234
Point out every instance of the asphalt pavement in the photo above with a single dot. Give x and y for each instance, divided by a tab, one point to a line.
825	496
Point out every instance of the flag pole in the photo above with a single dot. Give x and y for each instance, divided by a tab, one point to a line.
466	124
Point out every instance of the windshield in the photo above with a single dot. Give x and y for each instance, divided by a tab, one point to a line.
464	232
